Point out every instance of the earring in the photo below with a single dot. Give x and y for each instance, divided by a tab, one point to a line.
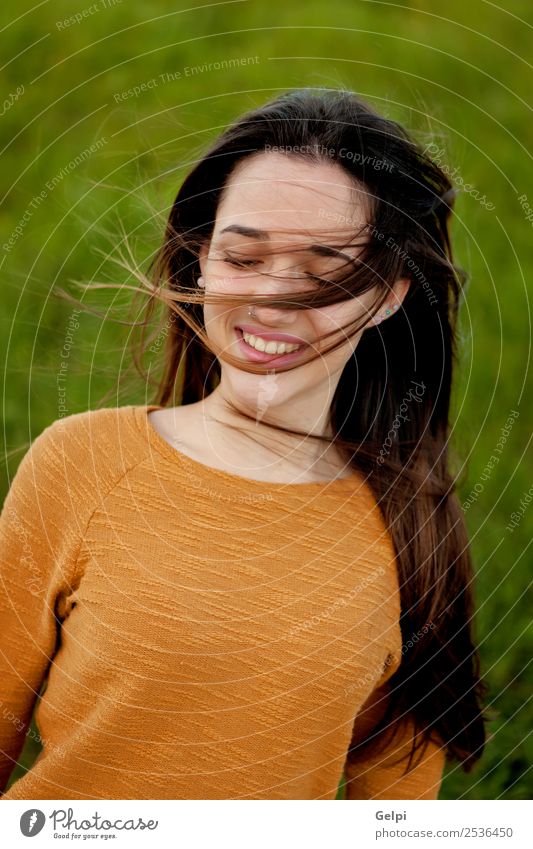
379	318
202	284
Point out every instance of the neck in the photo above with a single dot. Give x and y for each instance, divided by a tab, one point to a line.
268	443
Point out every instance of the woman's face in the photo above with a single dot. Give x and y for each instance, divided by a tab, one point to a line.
283	203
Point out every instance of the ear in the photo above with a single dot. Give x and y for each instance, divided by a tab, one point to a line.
400	289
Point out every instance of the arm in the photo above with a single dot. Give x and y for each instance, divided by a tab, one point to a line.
380	775
37	541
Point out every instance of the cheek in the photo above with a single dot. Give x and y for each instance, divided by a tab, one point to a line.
332	320
221	283
338	318
214	315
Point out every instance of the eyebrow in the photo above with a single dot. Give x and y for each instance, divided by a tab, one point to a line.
254	233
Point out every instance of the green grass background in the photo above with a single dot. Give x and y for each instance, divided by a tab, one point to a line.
455	74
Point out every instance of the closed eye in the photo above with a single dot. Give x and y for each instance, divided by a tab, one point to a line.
241	263
248	263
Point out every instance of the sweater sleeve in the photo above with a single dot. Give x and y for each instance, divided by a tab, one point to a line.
39	540
380	775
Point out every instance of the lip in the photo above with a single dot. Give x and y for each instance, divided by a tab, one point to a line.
261	357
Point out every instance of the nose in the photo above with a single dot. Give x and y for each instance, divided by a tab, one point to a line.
280	285
273	316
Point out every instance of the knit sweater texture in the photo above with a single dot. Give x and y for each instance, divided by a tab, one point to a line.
183	632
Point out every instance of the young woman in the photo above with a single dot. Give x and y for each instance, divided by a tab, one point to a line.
260	583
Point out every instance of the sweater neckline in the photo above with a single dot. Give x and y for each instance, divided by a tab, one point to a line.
208	473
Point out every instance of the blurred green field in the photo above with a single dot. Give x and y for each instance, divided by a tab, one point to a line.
454	73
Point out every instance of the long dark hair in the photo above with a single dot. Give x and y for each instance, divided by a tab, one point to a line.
404	363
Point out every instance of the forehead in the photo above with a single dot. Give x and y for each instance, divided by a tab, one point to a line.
277	193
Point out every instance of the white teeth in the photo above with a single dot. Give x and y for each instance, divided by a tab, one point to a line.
269	347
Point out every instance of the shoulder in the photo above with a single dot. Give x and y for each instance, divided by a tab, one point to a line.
97	428
88	435
69	468
81	455
374	547
373	530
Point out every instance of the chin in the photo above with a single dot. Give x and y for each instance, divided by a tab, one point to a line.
259	393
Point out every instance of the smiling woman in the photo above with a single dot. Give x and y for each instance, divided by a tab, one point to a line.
289	598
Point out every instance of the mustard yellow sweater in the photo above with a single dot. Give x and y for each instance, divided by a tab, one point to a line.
200	635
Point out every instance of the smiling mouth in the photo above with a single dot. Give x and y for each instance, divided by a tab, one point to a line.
268	350
269	346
